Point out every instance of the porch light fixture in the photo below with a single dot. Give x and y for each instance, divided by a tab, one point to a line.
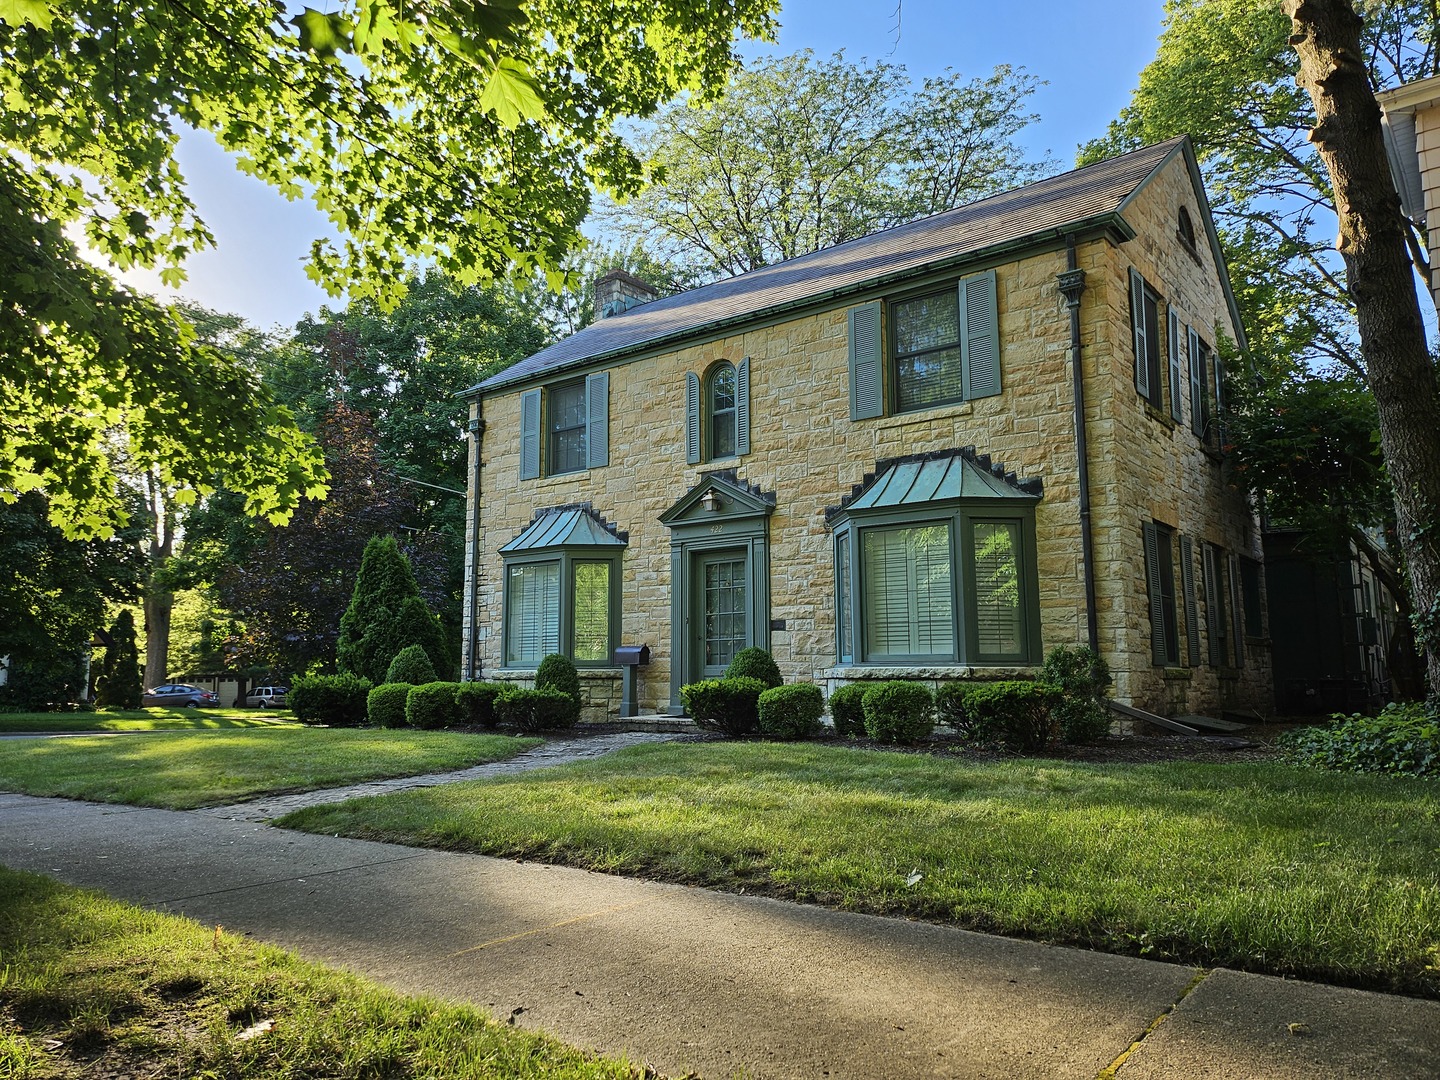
710	501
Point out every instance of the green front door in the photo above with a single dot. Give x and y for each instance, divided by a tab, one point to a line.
720	625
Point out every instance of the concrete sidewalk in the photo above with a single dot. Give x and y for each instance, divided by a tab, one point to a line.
721	985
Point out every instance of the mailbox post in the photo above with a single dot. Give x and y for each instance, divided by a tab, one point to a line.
629	658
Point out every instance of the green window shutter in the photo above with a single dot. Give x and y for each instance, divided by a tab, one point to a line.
1214	615
742	408
1137	322
979	337
1197	385
1219	370
1192	607
692	418
530	435
1157	604
865	359
597	420
1175	377
1237	613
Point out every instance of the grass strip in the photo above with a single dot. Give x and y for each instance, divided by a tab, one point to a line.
186	770
139	720
93	987
1260	867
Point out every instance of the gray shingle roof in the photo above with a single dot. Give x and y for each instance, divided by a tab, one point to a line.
1012	216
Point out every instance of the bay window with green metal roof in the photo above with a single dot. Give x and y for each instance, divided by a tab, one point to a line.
935	564
562	589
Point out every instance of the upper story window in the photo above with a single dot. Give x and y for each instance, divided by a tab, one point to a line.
1186	229
941	347
1145	323
717	412
565	428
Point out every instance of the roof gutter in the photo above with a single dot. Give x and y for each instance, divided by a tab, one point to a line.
1049	239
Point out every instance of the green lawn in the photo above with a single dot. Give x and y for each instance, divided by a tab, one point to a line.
1261	867
184	770
93	987
141	720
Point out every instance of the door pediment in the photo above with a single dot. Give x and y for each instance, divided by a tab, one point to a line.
719	497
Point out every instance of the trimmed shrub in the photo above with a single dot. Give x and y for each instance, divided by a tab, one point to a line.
898	711
411	665
1404	740
1083	675
337	700
432	706
118	685
476	701
385	705
753	663
791	712
385	614
557	672
542	709
847	712
1020	712
729	706
952	706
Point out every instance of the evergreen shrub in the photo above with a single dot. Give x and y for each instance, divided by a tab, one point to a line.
791	712
753	663
1020	711
557	672
119	685
847	711
952	706
385	705
1403	740
385	614
337	700
477	703
411	665
1083	675
432	706
541	709
898	711
730	706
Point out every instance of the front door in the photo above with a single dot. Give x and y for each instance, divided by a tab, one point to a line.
720	623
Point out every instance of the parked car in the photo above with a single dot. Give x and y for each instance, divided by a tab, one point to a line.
173	695
267	697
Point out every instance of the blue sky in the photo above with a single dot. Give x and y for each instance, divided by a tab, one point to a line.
1090	54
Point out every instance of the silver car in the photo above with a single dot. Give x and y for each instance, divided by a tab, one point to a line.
267	697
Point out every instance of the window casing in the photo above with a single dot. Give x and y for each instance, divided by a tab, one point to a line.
565	428
925	351
565	601
720	412
946	585
1159	544
717	412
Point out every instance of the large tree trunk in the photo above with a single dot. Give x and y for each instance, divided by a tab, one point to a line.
159	598
1382	284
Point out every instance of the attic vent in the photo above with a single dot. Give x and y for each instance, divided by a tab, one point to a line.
1186	228
617	291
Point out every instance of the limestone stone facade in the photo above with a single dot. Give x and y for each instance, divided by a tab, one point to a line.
806	455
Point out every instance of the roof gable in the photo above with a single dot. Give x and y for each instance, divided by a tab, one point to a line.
1092	196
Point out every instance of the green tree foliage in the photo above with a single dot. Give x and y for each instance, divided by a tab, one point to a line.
384	609
54	595
118	686
800	154
466	134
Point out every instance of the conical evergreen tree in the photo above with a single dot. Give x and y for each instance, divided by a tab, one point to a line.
118	686
385	614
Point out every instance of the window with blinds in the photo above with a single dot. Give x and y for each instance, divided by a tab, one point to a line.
909	609
532	604
996	590
592	612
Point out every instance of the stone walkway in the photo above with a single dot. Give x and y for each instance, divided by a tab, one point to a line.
556	751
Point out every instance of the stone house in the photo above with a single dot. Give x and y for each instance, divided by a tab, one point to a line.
935	453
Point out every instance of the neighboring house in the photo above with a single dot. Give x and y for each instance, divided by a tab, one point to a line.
1412	143
866	460
1332	620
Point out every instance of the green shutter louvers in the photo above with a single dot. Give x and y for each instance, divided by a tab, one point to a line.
1175	376
692	418
530	435
597	420
742	407
1137	322
865	359
979	337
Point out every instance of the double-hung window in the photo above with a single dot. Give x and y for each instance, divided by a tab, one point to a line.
566	427
562	590
924	351
944	581
1160	584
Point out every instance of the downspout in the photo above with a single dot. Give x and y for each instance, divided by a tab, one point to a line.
472	646
1072	284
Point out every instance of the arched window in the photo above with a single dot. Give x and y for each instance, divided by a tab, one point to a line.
720	412
1187	229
